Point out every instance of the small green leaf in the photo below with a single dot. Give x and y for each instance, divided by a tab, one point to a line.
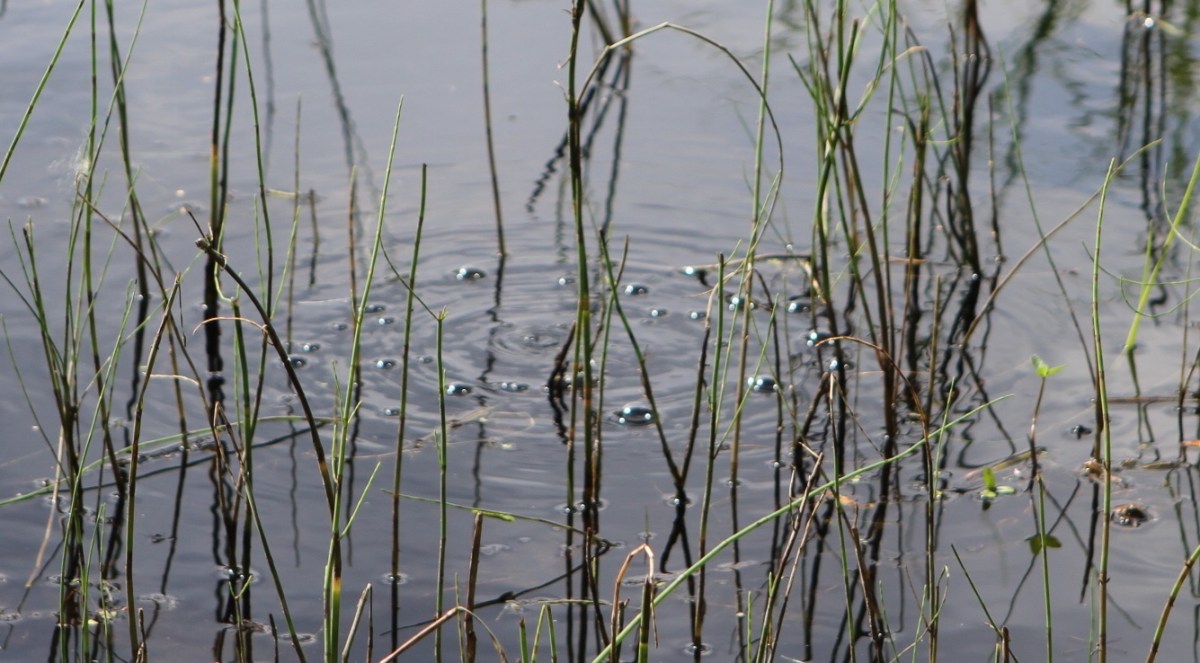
1037	543
1043	369
989	480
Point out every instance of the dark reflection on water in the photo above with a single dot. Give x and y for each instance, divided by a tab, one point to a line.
1002	126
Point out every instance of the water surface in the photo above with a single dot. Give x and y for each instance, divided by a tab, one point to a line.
669	175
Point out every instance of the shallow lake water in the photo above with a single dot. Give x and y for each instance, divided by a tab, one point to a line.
669	176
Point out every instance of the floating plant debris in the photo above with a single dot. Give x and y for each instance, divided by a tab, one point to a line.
490	549
165	601
469	274
1157	465
1094	469
103	616
184	206
635	414
636	290
1129	515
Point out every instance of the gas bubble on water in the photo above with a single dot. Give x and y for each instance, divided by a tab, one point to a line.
458	389
763	384
515	387
635	414
799	305
676	500
395	579
816	336
835	364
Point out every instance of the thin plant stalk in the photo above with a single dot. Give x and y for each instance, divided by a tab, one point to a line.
716	396
348	408
404	381
1151	271
757	223
583	308
1104	430
41	87
272	568
135	643
1172	596
487	124
364	599
1043	545
472	578
443	522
